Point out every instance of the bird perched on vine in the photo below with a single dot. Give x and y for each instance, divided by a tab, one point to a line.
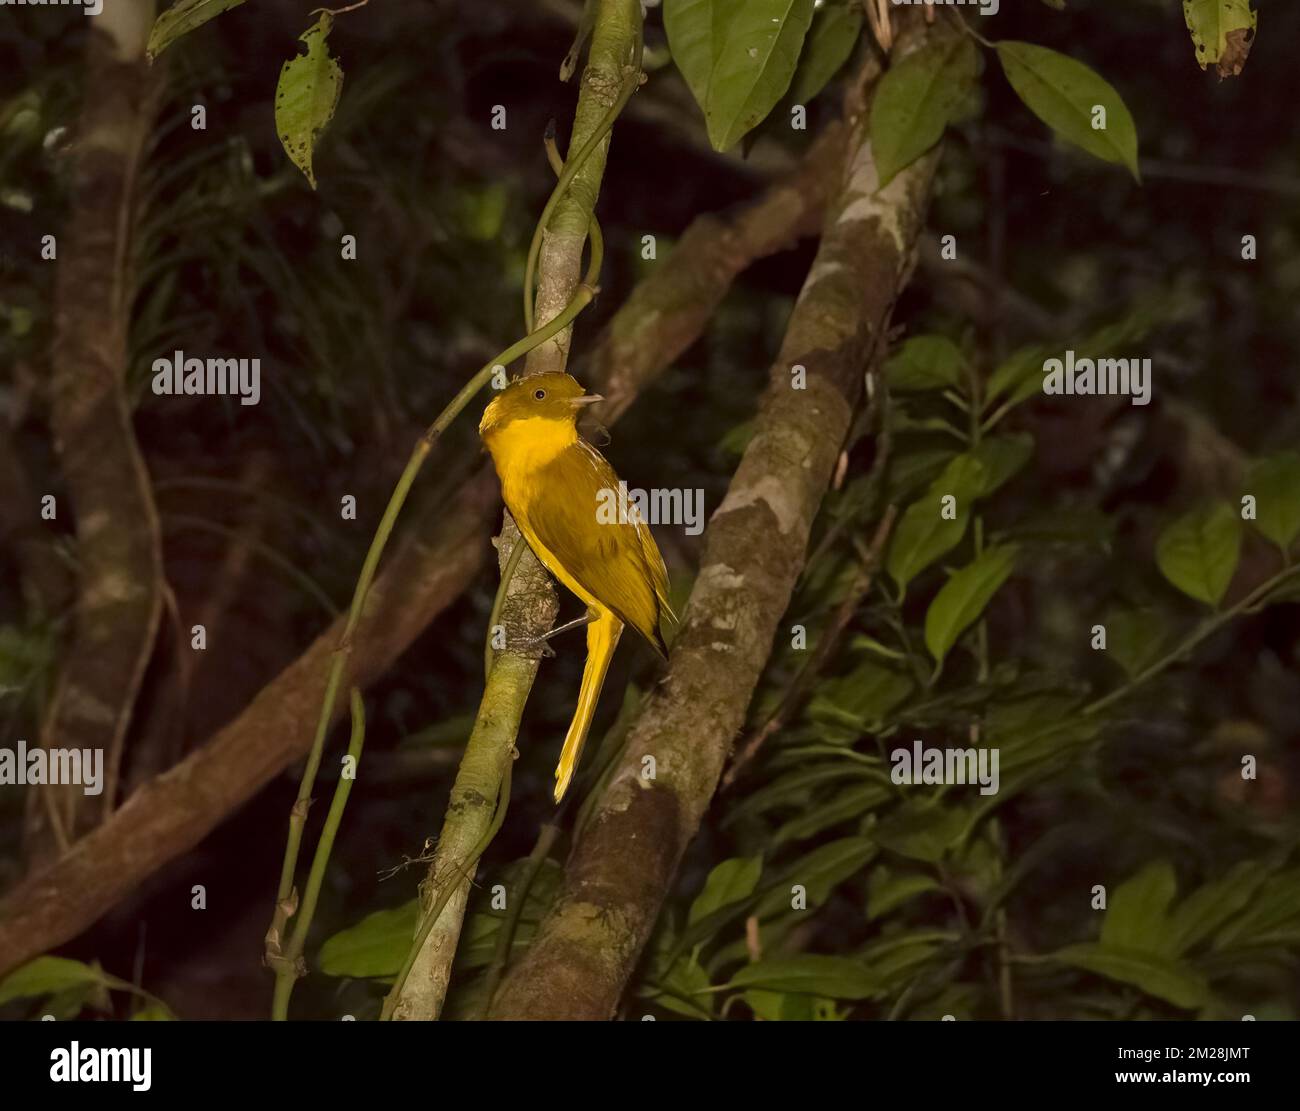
553	482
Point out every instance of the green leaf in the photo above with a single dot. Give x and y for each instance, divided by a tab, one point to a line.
916	99
835	30
861	698
47	975
682	990
153	1012
888	889
923	533
850	804
922	833
730	882
819	872
963	598
696	31
1211	907
925	363
1166	979
375	947
833	977
1135	638
1135	913
1002	458
1198	552
1275	484
754	65
180	19
1273	914
306	96
1220	27
1020	375
1063	93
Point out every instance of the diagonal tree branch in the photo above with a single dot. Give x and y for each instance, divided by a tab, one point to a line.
443	554
624	861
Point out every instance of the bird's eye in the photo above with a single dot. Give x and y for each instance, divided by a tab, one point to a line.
540	395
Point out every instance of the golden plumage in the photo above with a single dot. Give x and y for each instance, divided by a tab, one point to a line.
552	482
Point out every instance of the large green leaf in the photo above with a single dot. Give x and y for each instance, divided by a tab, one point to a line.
923	533
1063	93
754	65
888	889
1166	979
1002	458
49	975
1208	909
1221	32
730	882
833	977
925	363
1198	552
306	95
818	872
696	31
1136	916
1275	484
861	698
375	946
922	833
835	30
916	99
181	18
963	598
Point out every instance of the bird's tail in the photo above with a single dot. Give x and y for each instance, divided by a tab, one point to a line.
602	639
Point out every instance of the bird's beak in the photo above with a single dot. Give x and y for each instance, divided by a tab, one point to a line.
586	399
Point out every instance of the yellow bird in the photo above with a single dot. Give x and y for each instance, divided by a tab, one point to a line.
554	483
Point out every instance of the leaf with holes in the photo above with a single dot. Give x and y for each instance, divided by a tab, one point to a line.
1222	33
306	96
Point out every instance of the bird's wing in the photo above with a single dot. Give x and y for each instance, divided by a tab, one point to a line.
616	562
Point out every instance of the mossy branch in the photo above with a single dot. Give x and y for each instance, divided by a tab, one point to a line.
528	604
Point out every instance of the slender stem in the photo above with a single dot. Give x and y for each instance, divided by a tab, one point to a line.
288	968
972	32
1206	629
494	618
447	888
630	84
285	903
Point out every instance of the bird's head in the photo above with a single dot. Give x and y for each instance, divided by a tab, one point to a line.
549	397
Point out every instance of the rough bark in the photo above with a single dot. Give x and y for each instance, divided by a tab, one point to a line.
623	864
119	551
531	604
445	553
